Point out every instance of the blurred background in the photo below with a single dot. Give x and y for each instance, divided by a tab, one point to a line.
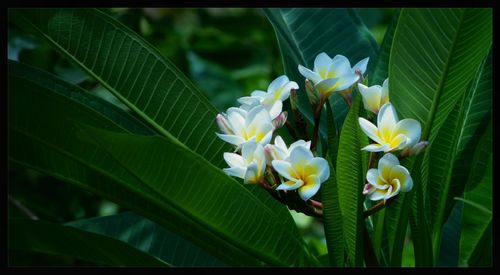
226	52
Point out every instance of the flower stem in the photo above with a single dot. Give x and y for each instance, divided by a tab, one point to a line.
23	208
317	116
377	207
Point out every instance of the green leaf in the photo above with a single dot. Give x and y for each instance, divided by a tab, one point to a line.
44	237
381	67
350	184
304	33
148	237
448	254
206	195
476	222
52	145
134	71
434	56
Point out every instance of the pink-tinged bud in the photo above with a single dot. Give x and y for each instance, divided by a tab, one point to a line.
368	189
268	152
311	95
223	124
294	99
280	120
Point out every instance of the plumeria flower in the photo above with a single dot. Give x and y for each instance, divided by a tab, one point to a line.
374	96
388	180
302	171
331	75
279	151
240	126
277	92
250	166
390	133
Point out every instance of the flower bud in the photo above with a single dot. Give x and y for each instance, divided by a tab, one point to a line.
280	120
223	124
294	99
415	149
311	94
368	189
269	153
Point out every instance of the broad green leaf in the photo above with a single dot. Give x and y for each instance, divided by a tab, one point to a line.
50	238
476	222
350	185
448	254
434	56
51	145
381	66
304	33
133	70
206	195
148	237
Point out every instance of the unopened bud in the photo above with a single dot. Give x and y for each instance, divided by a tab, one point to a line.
269	153
223	124
311	95
368	189
360	74
280	120
416	149
294	99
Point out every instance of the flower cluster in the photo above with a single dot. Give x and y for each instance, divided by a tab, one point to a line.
390	134
250	129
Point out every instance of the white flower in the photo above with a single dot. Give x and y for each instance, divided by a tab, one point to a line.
302	171
390	134
388	180
250	166
277	92
374	96
331	75
240	126
279	151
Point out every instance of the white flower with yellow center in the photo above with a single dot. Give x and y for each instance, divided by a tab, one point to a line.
388	180
302	171
250	166
333	74
279	151
240	126
390	133
374	97
277	92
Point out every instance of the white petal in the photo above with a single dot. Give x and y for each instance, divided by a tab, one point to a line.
340	65
398	142
259	94
371	97
314	77
277	153
238	172
259	157
251	175
385	165
285	169
312	187
319	167
248	100
373	177
327	87
257	116
278	141
235	140
322	62
346	81
410	128
386	121
300	142
285	90
376	148
277	83
275	109
370	130
377	195
395	191
234	160
361	65
247	150
300	156
290	185
266	132
401	173
236	118
385	92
